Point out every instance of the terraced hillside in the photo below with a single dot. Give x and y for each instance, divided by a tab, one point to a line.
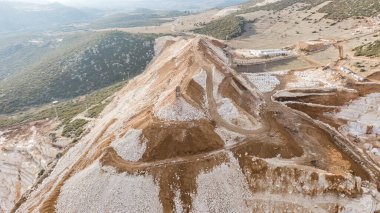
99	60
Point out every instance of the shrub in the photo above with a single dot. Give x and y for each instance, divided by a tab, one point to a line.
74	128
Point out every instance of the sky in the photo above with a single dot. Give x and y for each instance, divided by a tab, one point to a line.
131	4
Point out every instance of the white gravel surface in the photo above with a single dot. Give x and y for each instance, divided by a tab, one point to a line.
232	189
178	205
201	78
103	190
230	113
361	114
179	110
263	82
315	78
132	146
217	78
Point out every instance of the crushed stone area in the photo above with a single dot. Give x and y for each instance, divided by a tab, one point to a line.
91	189
315	78
132	146
264	82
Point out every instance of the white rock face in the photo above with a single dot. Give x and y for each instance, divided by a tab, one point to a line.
363	204
231	113
263	81
232	189
315	78
179	110
218	52
362	114
177	202
132	146
91	189
217	79
201	78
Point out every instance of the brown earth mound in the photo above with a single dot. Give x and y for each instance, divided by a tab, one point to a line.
180	139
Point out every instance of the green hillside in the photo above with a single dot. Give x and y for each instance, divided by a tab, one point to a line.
224	28
19	51
369	50
66	110
342	9
129	20
94	61
337	9
138	18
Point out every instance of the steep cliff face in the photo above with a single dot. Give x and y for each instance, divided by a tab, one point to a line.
192	135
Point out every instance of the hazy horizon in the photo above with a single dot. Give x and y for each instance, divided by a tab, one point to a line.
133	4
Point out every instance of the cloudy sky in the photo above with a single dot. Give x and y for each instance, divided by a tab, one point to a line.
153	4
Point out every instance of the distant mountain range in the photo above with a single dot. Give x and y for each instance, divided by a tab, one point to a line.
25	16
16	16
150	4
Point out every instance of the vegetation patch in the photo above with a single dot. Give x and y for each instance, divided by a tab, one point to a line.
336	9
368	50
224	28
141	17
74	128
128	20
280	5
94	111
66	110
343	9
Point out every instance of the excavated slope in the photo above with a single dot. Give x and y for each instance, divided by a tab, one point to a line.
192	135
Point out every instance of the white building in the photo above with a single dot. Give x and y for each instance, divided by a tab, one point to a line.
269	53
